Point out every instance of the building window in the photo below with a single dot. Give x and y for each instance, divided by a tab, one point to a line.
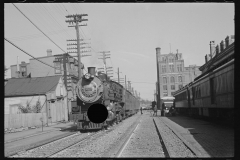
165	87
57	67
179	79
179	67
24	71
172	93
171	68
170	59
180	86
172	80
172	87
164	69
165	94
164	80
164	59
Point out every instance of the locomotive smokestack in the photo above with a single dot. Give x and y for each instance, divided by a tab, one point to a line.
91	70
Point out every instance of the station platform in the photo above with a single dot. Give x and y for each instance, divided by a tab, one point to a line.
210	139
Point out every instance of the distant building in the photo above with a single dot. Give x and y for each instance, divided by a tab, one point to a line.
172	73
38	69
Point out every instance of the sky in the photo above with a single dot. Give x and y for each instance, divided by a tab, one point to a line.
130	31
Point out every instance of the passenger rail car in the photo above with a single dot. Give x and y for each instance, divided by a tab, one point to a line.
211	95
92	89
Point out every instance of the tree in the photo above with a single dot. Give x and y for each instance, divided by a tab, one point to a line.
38	107
27	109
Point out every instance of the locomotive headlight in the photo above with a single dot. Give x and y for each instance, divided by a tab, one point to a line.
87	76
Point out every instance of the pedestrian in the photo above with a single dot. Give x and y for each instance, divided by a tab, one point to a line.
163	108
141	110
155	110
153	106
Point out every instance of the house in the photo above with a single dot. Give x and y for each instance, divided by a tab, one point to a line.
49	93
56	65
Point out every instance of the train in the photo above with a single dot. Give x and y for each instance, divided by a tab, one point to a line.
94	89
210	95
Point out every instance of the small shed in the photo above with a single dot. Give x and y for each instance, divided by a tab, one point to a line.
46	97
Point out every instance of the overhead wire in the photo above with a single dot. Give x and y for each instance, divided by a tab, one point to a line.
30	54
39	29
42	32
56	20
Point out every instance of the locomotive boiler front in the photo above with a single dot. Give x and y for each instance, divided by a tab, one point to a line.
89	88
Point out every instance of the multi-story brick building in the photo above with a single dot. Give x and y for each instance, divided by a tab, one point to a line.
172	73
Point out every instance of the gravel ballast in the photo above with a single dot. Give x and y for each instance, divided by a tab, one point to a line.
98	146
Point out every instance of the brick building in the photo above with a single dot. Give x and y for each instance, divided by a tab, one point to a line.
172	73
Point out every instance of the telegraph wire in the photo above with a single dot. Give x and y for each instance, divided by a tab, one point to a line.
54	19
41	17
39	29
31	55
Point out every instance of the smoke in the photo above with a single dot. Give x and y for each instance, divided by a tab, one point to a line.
93	60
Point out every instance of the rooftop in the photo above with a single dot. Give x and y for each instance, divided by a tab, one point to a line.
31	86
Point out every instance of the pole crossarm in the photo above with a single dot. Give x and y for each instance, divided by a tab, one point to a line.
77	18
76	39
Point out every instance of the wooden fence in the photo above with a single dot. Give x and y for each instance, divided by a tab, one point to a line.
24	120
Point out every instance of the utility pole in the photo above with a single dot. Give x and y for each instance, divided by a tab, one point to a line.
77	18
104	59
158	83
125	82
118	75
129	86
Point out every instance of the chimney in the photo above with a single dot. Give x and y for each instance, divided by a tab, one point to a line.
217	49
209	57
222	46
227	41
158	51
231	39
91	70
49	52
206	58
212	48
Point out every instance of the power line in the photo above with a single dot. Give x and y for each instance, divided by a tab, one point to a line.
31	55
39	29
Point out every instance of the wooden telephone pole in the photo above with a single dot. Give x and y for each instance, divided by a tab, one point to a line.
105	56
77	18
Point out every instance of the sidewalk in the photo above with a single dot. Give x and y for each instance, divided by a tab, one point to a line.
8	137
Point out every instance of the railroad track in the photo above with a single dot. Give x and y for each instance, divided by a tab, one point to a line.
54	147
168	151
124	145
168	148
18	139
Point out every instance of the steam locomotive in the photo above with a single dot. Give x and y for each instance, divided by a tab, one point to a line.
98	89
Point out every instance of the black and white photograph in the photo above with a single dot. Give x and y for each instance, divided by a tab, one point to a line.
119	80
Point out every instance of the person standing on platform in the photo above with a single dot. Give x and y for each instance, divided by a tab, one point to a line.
141	110
153	106
163	108
155	110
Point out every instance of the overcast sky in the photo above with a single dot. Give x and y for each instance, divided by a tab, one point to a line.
130	31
